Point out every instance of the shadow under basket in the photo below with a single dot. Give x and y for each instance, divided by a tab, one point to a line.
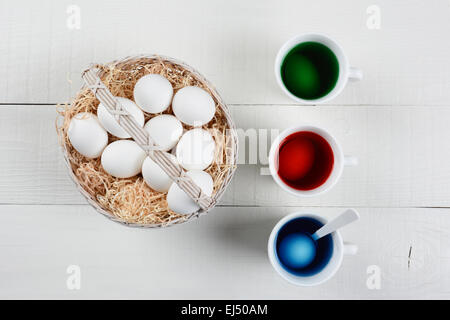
131	201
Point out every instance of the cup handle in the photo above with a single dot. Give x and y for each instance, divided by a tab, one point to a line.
350	248
355	74
350	161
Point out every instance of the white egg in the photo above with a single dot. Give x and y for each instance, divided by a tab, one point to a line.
87	135
153	93
123	159
193	106
195	150
180	202
165	130
109	122
154	176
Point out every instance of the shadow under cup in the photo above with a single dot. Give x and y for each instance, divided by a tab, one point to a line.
324	246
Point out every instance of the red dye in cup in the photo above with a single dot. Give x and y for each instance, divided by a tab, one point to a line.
305	160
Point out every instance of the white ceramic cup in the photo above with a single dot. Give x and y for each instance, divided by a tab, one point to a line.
339	249
345	71
338	166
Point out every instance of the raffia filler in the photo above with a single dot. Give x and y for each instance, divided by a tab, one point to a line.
130	201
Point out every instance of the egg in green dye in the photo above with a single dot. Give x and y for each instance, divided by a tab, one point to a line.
310	70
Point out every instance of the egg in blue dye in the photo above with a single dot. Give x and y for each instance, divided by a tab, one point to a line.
297	250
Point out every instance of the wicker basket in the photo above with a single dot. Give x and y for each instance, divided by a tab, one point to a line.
137	64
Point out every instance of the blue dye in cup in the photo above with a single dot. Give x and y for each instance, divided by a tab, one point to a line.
296	250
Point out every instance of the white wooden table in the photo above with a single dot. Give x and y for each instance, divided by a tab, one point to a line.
396	121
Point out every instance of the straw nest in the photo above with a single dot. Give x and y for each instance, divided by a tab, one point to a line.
130	201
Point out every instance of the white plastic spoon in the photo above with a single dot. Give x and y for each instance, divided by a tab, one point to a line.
346	217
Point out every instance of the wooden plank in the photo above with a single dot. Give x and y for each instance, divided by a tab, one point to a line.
220	256
402	162
233	43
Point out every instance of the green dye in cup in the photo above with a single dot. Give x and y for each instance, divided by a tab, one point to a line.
310	70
